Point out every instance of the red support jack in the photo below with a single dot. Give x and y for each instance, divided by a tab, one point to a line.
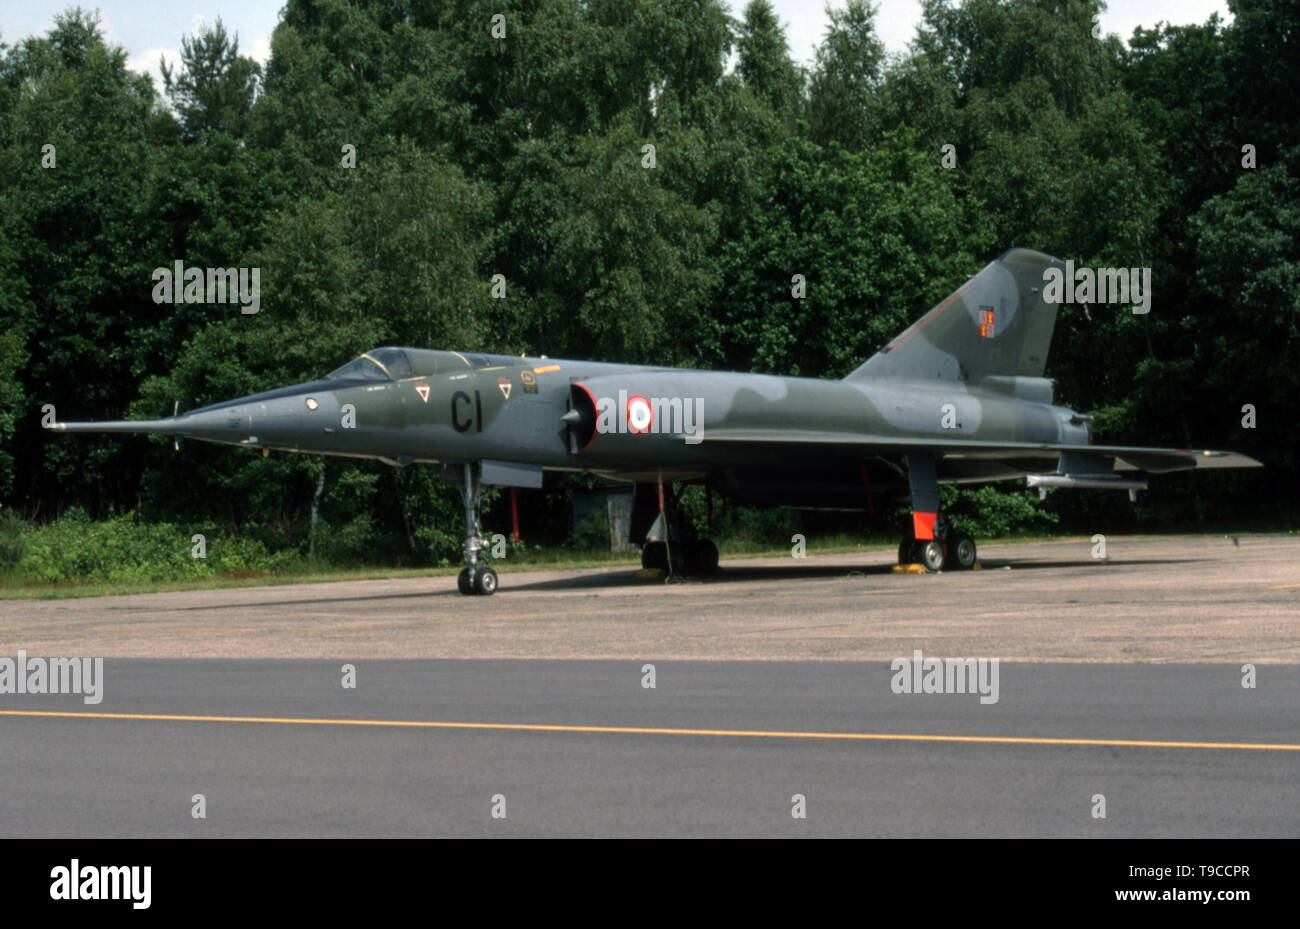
514	515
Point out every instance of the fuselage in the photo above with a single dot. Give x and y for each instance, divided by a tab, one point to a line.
411	405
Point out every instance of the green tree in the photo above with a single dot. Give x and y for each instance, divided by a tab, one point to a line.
81	141
1248	257
215	87
763	60
877	236
13	356
1262	70
843	100
604	260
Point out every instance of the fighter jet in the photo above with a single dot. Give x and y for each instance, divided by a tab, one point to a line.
958	398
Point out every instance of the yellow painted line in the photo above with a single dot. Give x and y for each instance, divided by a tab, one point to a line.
463	358
1282	586
654	730
546	369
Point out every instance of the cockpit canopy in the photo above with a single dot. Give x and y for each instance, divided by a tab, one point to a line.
394	364
365	368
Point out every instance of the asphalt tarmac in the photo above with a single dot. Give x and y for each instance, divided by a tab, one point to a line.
1175	750
1161	599
1118	684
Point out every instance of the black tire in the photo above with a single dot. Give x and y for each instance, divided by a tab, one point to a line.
702	557
465	582
961	552
655	556
485	582
930	554
906	552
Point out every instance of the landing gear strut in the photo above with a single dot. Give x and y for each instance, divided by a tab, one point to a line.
931	542
476	578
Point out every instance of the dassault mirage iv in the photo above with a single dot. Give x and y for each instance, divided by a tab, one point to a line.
958	398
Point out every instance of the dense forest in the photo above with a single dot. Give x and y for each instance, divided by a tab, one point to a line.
634	181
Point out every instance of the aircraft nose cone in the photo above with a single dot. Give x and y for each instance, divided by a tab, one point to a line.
276	422
229	424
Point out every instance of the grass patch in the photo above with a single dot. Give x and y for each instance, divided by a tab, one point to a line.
520	560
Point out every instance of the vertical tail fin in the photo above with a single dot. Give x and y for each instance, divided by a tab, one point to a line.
996	324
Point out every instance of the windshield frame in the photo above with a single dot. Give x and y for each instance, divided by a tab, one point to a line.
361	368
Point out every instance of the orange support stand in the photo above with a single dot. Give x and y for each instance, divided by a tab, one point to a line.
514	515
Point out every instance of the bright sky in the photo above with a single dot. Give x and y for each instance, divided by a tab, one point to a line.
148	29
896	20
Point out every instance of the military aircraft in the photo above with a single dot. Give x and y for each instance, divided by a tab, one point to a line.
958	398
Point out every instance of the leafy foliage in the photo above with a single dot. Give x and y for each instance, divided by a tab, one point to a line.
13	544
991	512
215	88
123	550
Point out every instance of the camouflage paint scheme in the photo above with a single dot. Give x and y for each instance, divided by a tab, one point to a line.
958	397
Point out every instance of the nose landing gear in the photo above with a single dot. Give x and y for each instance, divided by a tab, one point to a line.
475	578
480	579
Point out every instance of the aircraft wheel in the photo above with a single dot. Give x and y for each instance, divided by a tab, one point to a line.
485	582
907	551
961	552
702	557
655	556
465	581
930	554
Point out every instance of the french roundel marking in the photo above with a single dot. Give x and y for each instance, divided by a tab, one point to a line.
639	415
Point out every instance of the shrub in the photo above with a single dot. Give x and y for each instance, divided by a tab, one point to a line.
990	512
123	550
12	543
592	532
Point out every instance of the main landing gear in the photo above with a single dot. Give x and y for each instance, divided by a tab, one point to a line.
931	542
948	551
475	578
673	548
698	556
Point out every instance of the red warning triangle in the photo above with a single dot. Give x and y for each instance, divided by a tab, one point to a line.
423	390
